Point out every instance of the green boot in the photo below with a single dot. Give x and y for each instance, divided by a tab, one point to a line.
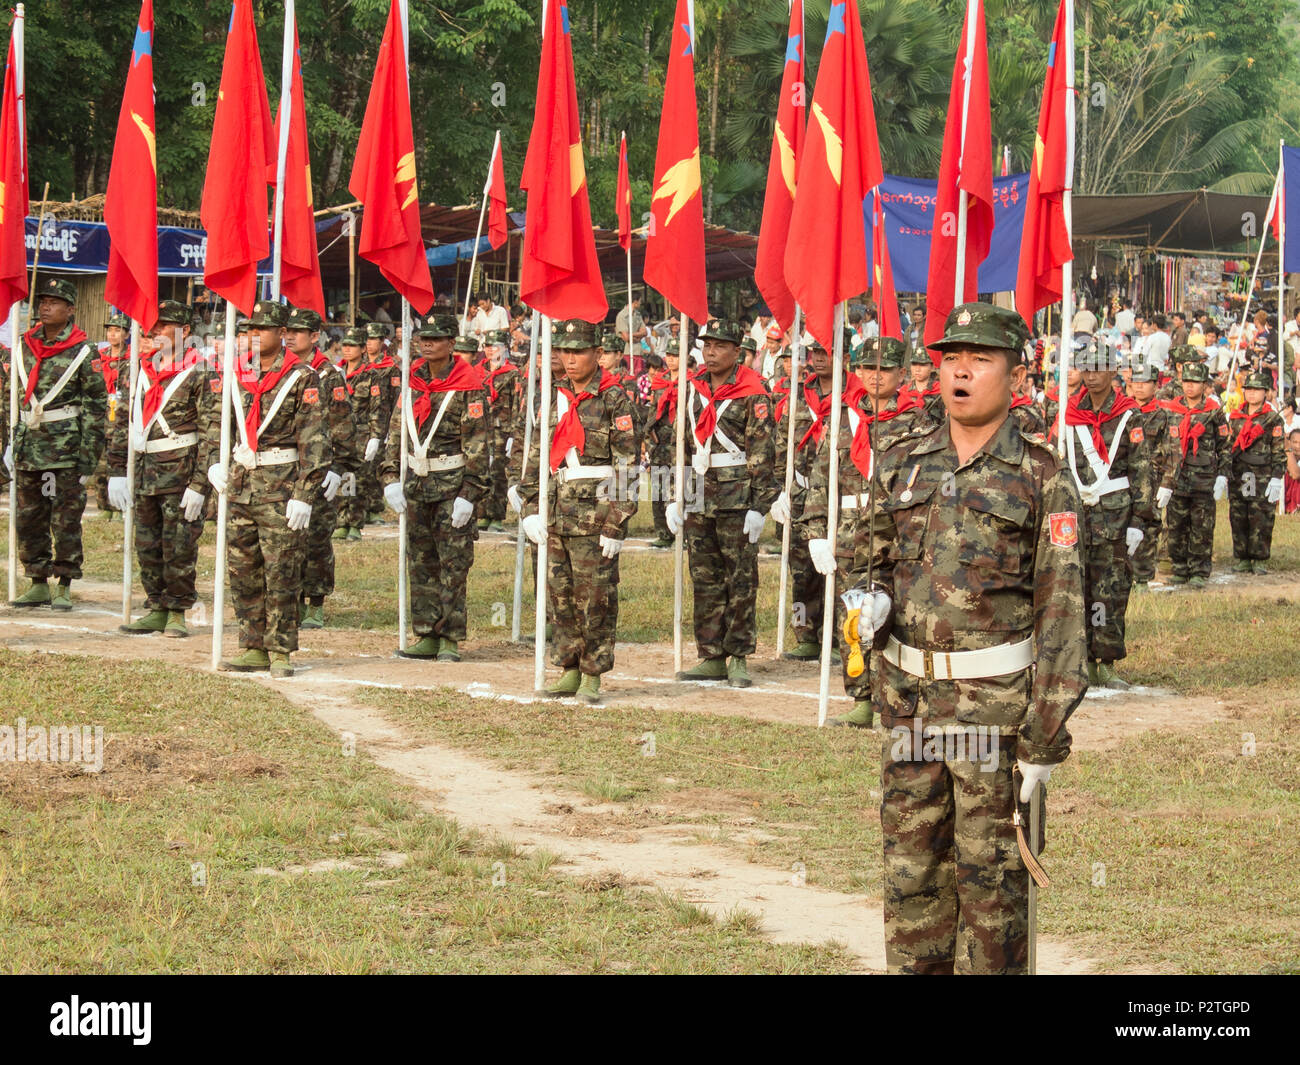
1108	678
1175	579
280	666
804	651
1242	565
254	660
589	689
661	542
62	597
568	684
1258	567
354	533
737	674
176	627
37	595
1093	680
154	621
860	716
483	524
341	533
1197	582
313	617
425	647
447	650
496	526
706	669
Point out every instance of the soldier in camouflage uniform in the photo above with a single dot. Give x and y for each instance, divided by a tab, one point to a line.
279	465
614	362
1150	417
449	439
591	495
1197	477
173	406
385	384
979	618
1179	355
872	404
661	445
363	396
1258	449
504	386
111	361
62	412
1109	457
924	383
729	429
303	332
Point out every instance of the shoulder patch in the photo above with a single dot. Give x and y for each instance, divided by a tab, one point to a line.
1223	430
1064	529
310	395
760	409
1136	435
396	381
374	390
340	393
1173	430
476	409
215	384
623	423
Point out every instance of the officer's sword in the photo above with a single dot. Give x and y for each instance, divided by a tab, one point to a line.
1035	806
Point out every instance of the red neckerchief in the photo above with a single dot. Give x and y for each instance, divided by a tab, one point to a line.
1021	401
1250	432
386	363
747	383
1095	419
860	451
910	390
820	406
318	358
667	389
349	374
108	366
568	430
462	377
490	377
1151	407
153	395
257	385
40	350
1187	432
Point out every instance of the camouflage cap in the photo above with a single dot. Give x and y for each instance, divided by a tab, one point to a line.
117	318
268	314
1183	353
241	326
748	344
466	346
1258	380
1097	355
920	357
497	336
722	329
983	325
1145	373
885	352
356	337
610	340
303	318
438	326
171	311
1195	371
376	331
58	287
574	334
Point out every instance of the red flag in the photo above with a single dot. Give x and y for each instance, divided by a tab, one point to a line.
966	166
560	274
674	251
782	176
1045	244
1277	206
826	255
383	175
882	280
299	260
623	197
13	190
495	191
234	191
131	204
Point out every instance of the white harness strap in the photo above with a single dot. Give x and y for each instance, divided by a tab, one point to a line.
418	461
38	406
1103	484
140	436
702	460
280	395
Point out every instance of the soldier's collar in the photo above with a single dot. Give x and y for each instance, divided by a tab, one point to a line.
1006	444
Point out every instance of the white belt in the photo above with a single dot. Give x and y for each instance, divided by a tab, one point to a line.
1091	494
862	499
423	466
277	456
719	459
39	416
583	473
961	665
172	442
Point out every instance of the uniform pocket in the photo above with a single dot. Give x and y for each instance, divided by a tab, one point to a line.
994	532
911	517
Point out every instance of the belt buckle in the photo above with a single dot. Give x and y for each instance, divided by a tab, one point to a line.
927	657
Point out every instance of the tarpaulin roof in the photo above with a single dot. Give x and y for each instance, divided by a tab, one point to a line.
1195	221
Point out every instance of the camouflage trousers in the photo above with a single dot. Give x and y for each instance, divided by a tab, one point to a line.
956	893
98	483
50	504
663	486
167	550
265	563
438	559
351	501
1107	582
724	579
493	505
1252	524
583	592
318	565
1142	563
808	593
1190	521
370	480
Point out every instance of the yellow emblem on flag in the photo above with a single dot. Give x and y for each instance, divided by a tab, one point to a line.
2	202
1039	149
834	143
787	159
148	136
577	169
681	181
406	172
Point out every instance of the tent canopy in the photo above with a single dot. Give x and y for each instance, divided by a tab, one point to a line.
1196	221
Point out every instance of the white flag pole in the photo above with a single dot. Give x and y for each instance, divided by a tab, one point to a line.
531	394
543	507
791	405
959	277
679	488
832	512
1238	345
128	515
1280	207
282	151
15	337
478	234
402	608
1067	269
223	498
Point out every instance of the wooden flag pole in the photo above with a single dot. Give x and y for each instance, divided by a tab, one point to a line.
518	605
282	151
543	507
679	489
796	362
223	498
832	514
405	400
128	515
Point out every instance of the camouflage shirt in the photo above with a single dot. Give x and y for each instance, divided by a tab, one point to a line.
1199	451
504	387
747	423
363	394
386	375
336	408
979	554
1265	455
193	406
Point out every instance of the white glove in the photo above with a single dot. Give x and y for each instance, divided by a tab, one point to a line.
1273	493
516	500
9	459
372	448
1220	488
1133	537
873	611
823	556
118	496
510	445
461	511
395	497
192	504
218	478
609	547
298	515
1032	776
82	480
245	456
333	481
753	525
1163	496
781	509
534	529
674	517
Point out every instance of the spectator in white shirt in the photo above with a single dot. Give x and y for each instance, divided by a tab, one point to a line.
489	317
1084	320
1156	348
1124	318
